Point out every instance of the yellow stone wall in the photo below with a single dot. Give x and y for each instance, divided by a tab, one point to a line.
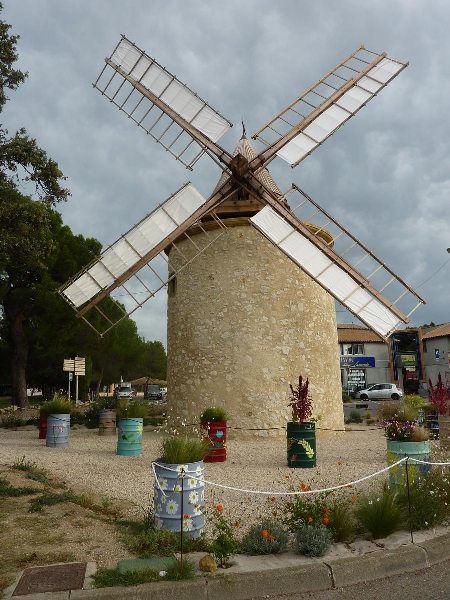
243	322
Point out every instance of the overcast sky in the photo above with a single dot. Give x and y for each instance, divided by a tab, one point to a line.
385	174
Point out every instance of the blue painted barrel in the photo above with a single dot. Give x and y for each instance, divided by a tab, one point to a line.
129	437
171	506
58	429
397	450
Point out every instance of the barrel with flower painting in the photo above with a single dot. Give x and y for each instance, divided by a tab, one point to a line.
129	437
301	445
214	423
179	497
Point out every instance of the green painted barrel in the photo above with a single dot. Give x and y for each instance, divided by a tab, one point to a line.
301	445
58	429
172	507
397	450
129	438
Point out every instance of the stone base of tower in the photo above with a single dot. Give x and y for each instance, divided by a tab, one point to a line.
243	322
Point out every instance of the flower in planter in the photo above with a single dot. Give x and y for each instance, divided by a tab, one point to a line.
163	484
187	523
197	510
300	401
182	469
193	497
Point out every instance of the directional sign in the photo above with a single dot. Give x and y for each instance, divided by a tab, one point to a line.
69	364
80	365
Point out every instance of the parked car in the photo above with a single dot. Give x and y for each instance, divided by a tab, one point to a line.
152	392
382	391
124	390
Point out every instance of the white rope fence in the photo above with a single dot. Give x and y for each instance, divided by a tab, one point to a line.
183	473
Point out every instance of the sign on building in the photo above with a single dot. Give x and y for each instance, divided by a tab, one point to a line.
361	362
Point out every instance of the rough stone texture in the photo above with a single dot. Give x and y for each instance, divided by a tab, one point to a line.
243	322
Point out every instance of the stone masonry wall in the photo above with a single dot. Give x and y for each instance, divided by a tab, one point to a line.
243	322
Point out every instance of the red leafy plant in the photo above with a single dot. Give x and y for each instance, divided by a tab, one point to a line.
300	401
439	396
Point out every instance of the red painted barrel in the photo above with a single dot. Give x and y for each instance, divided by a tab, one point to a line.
216	434
43	426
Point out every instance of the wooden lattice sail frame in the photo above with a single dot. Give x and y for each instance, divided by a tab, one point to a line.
189	127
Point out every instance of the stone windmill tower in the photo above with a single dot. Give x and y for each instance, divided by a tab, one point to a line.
251	272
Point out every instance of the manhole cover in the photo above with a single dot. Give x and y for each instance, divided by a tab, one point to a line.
53	578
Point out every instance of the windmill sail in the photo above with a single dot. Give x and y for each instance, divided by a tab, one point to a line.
313	117
135	267
337	261
161	104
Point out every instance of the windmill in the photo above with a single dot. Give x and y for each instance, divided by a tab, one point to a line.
251	272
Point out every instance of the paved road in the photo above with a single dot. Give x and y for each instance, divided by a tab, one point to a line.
429	584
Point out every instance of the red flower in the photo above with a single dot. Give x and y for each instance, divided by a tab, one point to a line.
325	520
219	508
265	533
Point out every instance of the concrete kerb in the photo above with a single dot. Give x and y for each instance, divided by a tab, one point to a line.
314	576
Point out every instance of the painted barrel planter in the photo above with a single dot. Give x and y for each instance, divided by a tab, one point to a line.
129	438
107	422
43	426
58	429
397	450
301	445
444	432
216	436
172	506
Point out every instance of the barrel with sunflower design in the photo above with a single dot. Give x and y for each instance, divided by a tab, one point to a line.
129	437
175	508
301	445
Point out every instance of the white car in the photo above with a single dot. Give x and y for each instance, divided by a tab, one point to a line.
382	391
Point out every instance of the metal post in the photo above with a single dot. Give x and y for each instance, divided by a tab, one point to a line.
409	501
182	517
68	395
76	389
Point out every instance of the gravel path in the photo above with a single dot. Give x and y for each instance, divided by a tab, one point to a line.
90	464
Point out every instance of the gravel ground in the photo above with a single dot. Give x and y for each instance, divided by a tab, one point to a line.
90	464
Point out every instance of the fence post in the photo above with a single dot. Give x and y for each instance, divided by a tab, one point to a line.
409	500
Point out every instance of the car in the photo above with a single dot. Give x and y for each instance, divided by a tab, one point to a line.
124	390
382	391
152	392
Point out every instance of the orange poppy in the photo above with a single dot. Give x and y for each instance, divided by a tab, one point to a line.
265	533
219	508
271	538
325	520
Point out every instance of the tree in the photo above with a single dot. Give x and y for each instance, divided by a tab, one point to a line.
25	223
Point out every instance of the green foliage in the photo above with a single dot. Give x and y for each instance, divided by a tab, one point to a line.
58	406
91	417
127	409
355	417
148	542
268	537
181	570
224	544
379	513
182	449
212	414
6	489
416	402
51	499
113	577
24	465
11	422
430	499
313	540
341	520
346	396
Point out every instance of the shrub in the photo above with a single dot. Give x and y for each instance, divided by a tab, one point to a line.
346	396
212	414
355	417
341	520
131	410
180	570
415	401
11	422
430	499
379	513
224	544
266	538
59	405
92	415
420	434
183	449
313	540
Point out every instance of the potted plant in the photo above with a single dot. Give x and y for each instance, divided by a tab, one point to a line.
57	412
439	397
213	421
405	438
130	426
301	431
179	487
107	416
